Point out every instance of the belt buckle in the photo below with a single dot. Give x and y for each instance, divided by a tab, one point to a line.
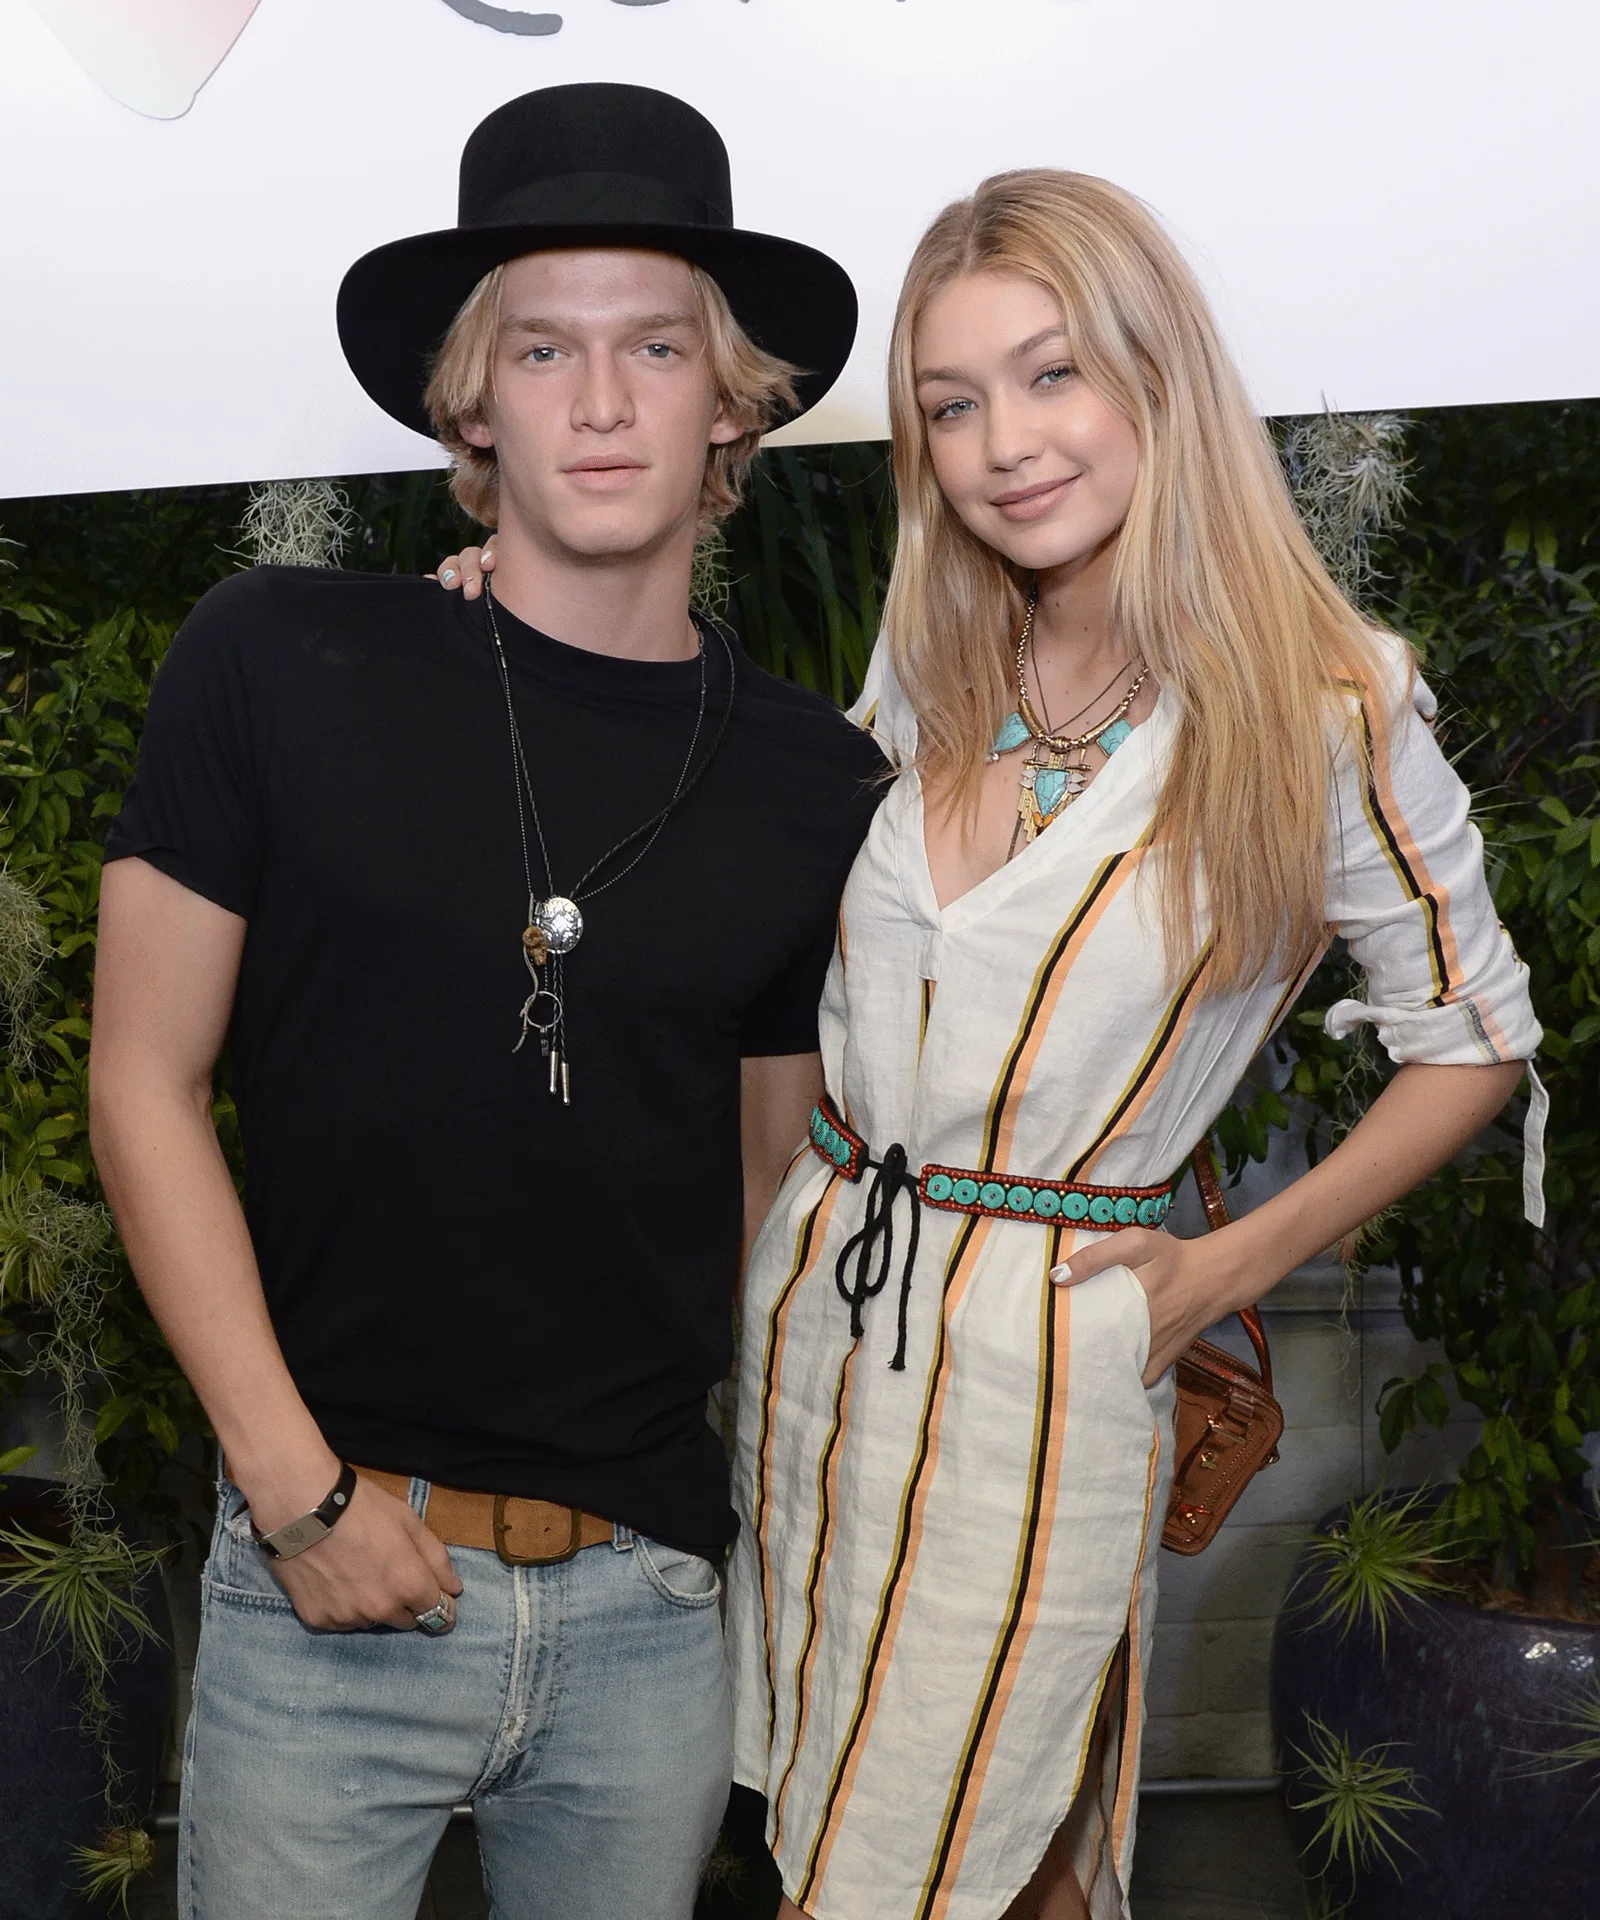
510	1559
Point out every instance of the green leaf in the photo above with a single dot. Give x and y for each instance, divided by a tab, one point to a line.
1577	1306
1432	1401
1395	1413
111	1416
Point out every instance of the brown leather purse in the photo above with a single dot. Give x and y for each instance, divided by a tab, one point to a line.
1228	1423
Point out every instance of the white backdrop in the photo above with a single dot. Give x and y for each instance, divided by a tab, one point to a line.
1393	202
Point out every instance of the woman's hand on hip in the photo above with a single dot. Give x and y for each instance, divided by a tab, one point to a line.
1190	1284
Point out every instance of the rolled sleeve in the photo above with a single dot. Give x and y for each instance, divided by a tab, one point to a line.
1408	892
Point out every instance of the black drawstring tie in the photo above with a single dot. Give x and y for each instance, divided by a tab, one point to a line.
877	1231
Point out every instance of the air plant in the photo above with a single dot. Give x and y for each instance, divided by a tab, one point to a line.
709	585
1580	1714
81	1592
107	1870
1358	1797
1382	1555
297	523
24	949
1348	472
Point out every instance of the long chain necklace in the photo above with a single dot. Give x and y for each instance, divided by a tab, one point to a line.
1056	770
555	920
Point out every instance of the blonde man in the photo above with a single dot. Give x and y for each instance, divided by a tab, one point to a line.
515	915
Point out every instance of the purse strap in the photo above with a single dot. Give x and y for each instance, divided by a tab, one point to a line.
1205	1178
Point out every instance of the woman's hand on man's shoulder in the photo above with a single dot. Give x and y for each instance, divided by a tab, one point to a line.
465	571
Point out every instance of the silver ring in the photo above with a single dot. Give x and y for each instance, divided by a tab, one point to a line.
440	1617
447	576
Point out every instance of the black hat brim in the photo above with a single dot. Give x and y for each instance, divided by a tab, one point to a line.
397	302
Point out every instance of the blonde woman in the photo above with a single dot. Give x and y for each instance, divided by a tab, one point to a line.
1151	763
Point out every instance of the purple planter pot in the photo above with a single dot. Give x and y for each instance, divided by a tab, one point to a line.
1468	1700
51	1786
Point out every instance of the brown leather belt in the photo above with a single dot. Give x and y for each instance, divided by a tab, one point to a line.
525	1533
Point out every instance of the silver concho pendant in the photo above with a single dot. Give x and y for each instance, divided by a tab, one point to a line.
559	920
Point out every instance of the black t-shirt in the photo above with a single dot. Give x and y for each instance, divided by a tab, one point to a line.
470	1281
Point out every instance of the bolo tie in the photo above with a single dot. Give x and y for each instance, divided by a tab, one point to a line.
554	924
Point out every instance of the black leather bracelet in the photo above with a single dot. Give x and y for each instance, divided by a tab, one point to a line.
283	1543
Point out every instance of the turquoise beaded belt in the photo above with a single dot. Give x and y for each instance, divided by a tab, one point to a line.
997	1195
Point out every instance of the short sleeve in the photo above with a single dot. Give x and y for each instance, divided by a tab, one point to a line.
783	1016
1408	892
195	807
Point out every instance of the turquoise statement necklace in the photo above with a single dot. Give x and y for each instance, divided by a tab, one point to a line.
1057	769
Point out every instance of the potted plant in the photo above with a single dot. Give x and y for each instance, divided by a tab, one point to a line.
1446	1651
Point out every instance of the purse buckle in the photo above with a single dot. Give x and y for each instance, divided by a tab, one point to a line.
511	1558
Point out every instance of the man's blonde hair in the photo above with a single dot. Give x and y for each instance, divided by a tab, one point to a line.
753	388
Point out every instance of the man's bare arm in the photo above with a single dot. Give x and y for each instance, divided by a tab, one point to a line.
776	1095
164	985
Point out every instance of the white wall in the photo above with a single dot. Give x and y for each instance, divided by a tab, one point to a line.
1393	202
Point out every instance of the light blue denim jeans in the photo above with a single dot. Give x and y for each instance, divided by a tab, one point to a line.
582	1709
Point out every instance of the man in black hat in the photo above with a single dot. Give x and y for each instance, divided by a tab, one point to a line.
515	916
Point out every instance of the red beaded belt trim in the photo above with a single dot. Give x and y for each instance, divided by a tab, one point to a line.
1000	1196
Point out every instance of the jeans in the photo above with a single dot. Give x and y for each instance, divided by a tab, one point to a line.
582	1708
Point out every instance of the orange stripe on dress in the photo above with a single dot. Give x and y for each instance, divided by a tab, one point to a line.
1022	1612
1037	1025
816	1579
1432	897
1292	992
1128	1768
1146	1077
809	1240
1435	900
1107	876
902	1563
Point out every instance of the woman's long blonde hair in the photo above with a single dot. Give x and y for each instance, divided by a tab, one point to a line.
1214	581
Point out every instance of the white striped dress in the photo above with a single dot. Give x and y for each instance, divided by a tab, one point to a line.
937	1566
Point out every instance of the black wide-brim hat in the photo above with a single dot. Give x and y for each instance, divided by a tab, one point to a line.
597	165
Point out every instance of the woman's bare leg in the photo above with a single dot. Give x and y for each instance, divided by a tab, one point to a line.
1054	1892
